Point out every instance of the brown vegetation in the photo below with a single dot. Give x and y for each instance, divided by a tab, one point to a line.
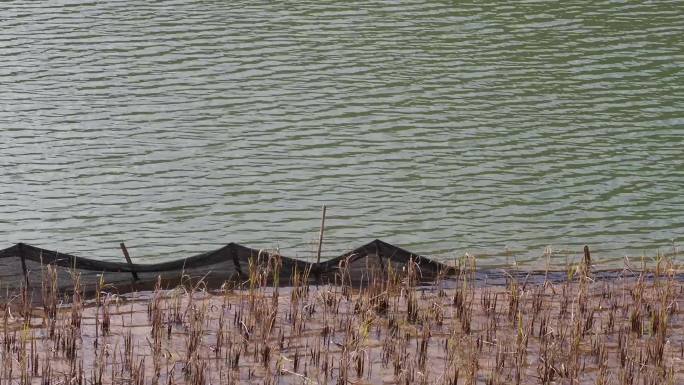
627	329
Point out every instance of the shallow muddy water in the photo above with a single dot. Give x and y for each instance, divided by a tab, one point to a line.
586	331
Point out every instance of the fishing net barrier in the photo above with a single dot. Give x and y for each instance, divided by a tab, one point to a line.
24	265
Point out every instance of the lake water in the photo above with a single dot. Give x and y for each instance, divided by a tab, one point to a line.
445	128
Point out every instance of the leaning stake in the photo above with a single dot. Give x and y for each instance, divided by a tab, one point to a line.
320	237
128	259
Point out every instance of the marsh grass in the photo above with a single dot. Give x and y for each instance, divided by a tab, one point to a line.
581	329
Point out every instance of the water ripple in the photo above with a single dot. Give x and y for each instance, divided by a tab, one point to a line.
178	126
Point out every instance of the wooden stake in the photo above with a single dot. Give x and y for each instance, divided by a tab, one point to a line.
320	237
587	256
128	259
587	260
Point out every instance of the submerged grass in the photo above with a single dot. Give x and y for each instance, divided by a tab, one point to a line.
628	329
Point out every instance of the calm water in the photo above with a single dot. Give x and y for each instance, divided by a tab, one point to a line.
444	128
